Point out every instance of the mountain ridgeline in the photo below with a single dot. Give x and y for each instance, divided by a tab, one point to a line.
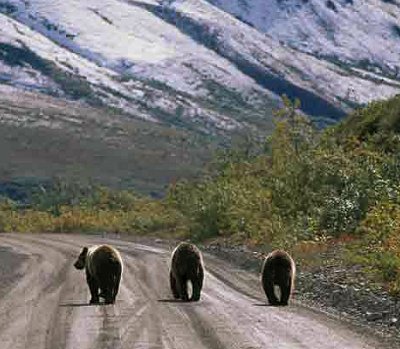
140	93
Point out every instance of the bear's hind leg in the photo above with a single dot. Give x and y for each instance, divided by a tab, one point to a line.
270	292
174	286
107	285
108	295
196	290
94	289
197	284
183	289
285	293
117	281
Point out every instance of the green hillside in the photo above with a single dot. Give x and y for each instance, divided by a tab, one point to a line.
379	123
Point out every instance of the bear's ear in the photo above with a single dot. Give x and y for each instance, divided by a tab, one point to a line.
85	251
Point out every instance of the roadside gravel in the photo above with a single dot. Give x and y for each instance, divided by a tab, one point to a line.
334	288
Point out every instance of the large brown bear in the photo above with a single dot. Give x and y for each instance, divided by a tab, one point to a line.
103	266
186	265
278	270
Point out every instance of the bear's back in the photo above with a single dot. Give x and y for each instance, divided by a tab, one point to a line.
100	256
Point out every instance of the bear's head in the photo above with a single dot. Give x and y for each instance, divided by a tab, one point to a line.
81	261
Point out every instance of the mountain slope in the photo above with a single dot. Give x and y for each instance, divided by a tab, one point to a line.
361	33
42	138
107	68
174	61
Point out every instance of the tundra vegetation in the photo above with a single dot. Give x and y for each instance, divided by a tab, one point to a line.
302	189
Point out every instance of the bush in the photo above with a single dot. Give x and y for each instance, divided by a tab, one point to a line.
71	208
378	246
308	187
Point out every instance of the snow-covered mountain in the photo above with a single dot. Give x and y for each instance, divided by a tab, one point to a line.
204	65
358	32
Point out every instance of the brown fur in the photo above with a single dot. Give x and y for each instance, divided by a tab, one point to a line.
186	265
278	270
103	266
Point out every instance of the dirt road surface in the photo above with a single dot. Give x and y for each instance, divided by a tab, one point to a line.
44	305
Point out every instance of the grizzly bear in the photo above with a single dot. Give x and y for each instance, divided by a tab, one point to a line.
278	270
103	266
186	265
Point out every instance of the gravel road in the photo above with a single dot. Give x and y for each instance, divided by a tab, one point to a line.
44	304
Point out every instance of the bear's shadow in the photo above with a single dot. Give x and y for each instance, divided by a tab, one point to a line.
173	301
78	305
263	305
